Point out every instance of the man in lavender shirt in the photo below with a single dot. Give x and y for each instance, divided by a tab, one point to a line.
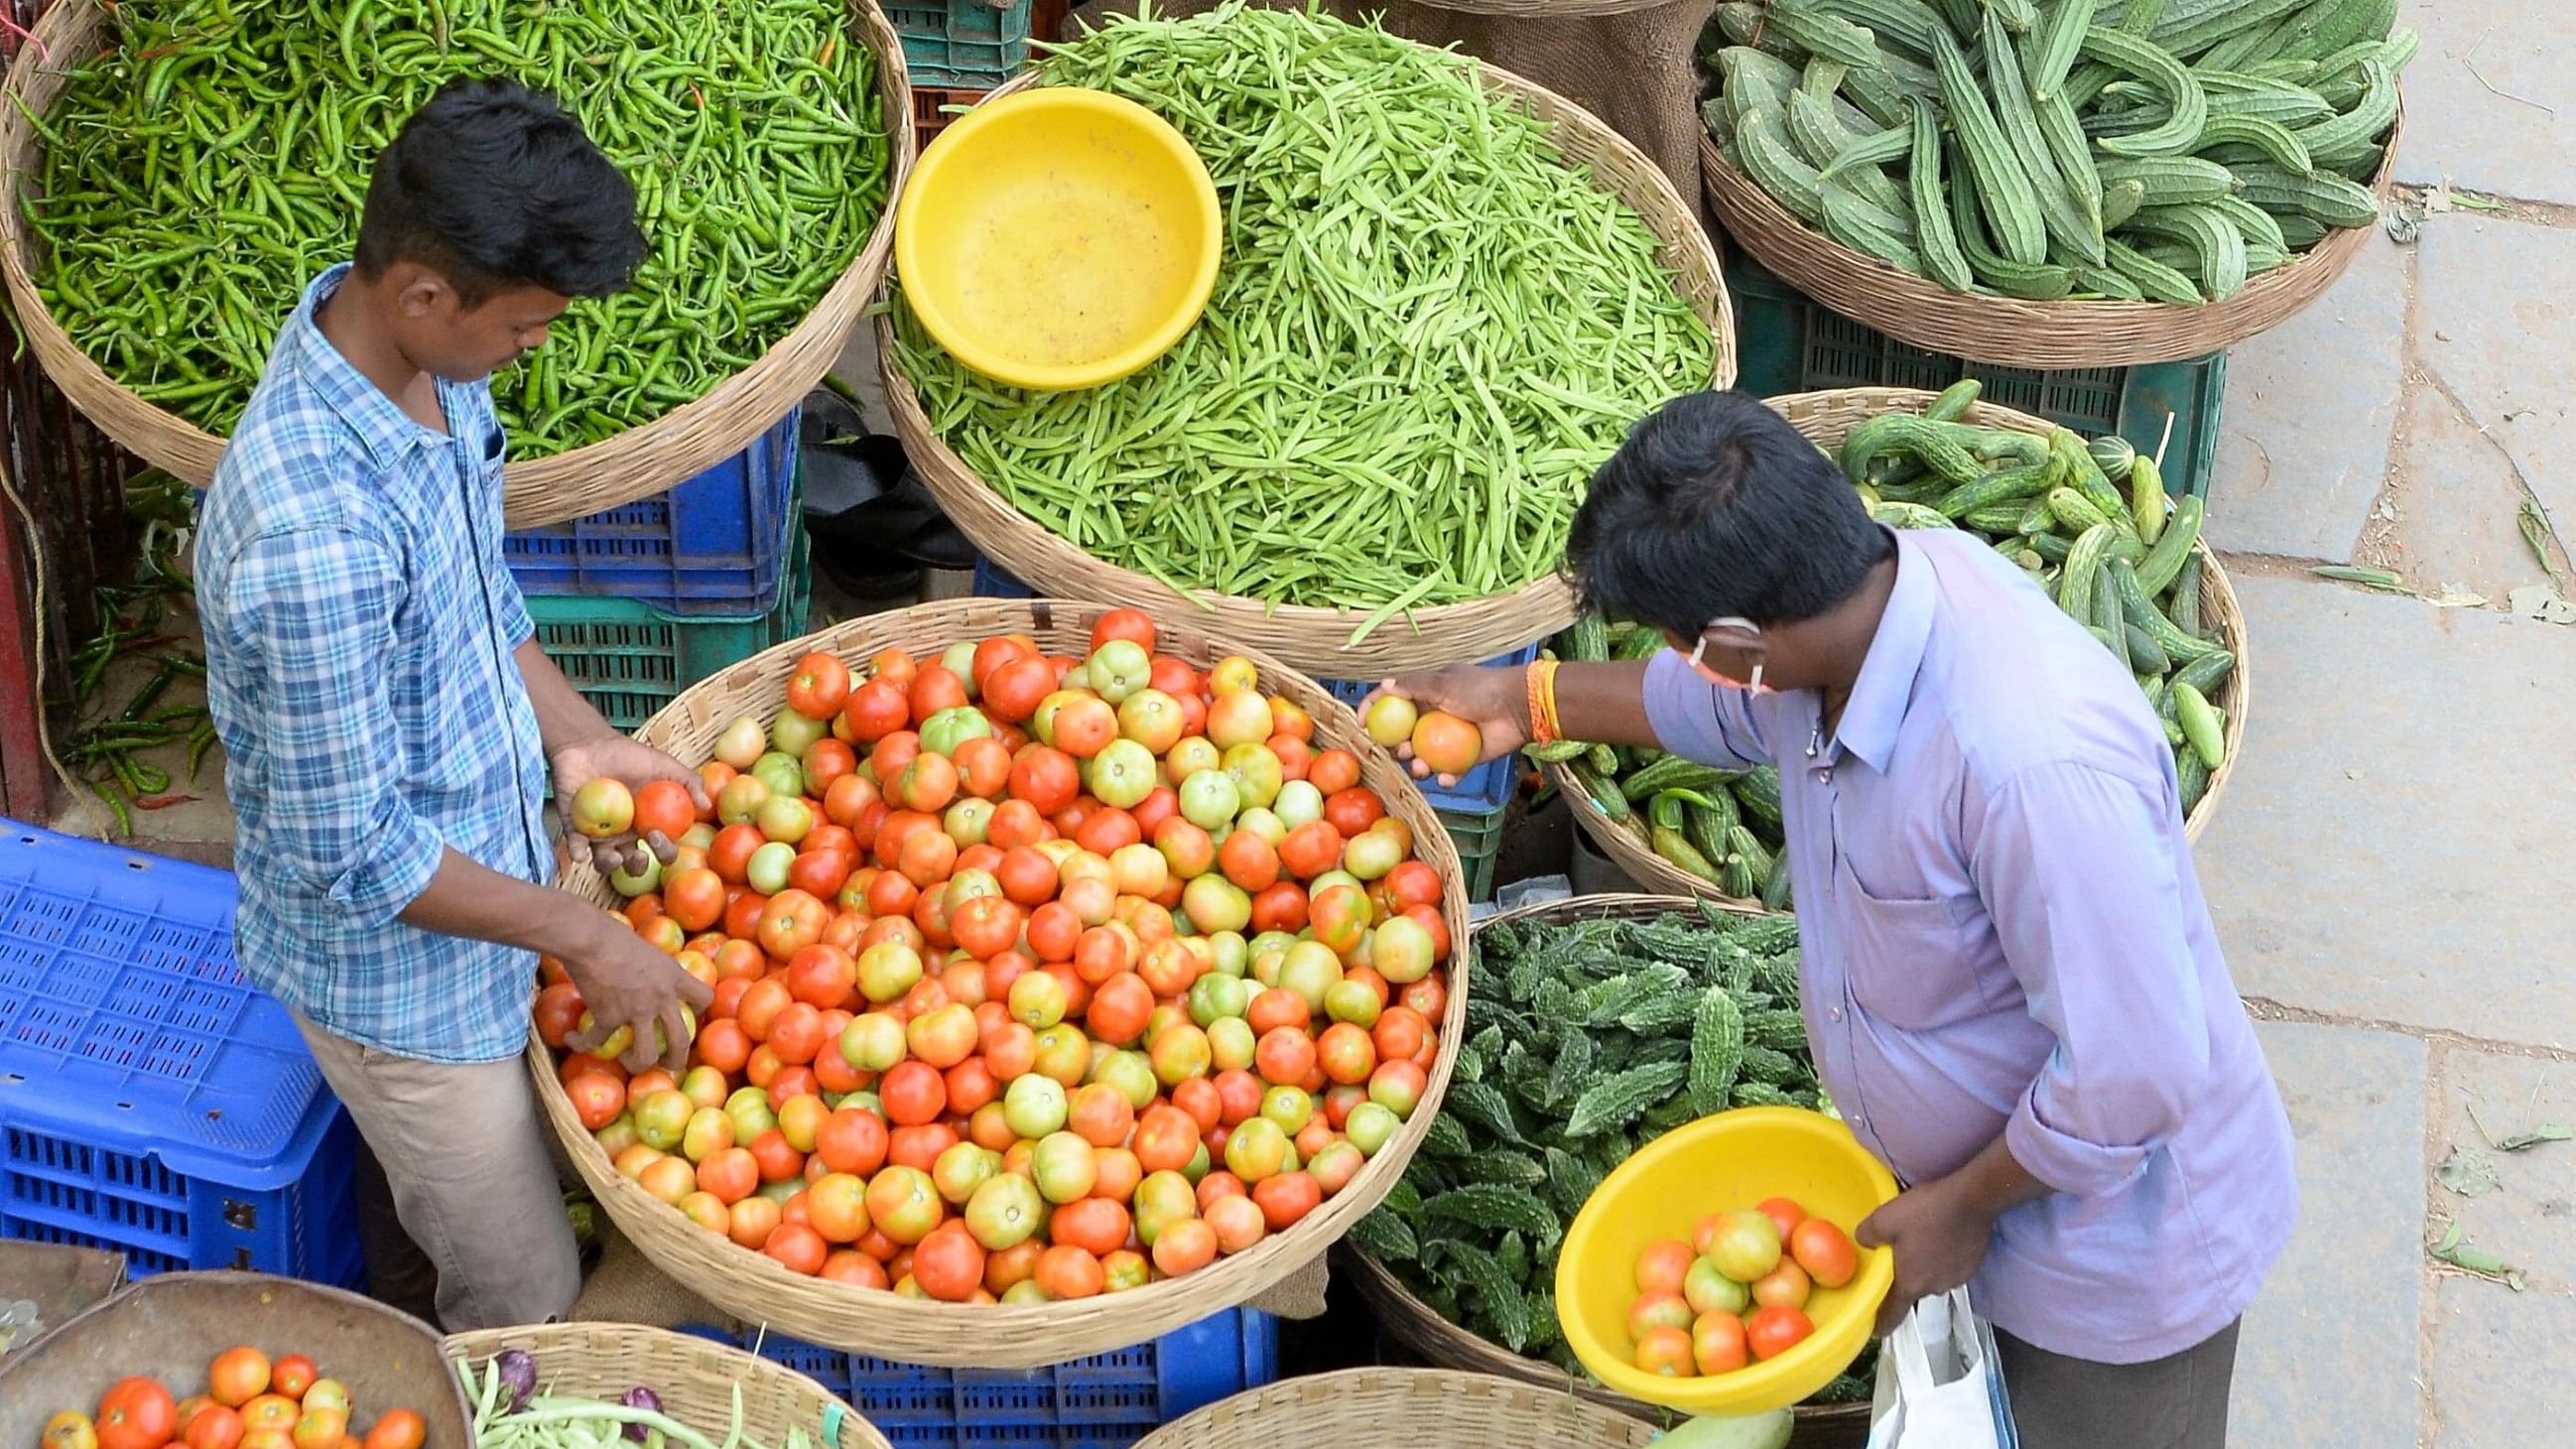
2011	983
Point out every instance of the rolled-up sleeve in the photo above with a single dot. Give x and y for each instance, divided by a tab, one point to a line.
1701	721
315	611
2077	868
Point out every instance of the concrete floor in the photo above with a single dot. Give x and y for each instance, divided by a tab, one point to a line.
2389	866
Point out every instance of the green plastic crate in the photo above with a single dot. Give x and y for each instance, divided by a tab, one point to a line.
1787	342
1479	838
630	659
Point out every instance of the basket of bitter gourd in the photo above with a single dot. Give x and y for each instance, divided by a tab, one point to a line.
1364	458
2122	558
2056	183
1599	1023
179	169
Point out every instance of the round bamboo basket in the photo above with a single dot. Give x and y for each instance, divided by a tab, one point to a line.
1316	639
1439	1341
2009	330
1393	1408
672	448
1004	1336
695	1378
1827	418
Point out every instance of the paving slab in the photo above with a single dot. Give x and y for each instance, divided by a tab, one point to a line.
2303	446
2328	1356
2457	509
2498	1374
2512	131
2393	846
2496	303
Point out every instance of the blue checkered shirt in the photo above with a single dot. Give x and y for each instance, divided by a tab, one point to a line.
359	627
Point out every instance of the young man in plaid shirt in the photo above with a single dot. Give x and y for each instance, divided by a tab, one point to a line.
387	716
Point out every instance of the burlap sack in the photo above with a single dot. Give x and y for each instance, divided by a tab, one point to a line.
1628	62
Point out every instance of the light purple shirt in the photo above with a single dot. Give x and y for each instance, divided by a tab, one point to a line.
2002	932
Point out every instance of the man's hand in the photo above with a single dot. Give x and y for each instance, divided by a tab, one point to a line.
1495	701
627	982
1938	1233
625	760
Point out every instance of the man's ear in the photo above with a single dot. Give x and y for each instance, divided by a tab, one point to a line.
423	292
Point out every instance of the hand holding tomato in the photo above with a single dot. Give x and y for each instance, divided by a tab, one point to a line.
616	757
629	985
1495	701
1938	1238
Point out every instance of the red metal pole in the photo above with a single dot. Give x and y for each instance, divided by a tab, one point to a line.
25	782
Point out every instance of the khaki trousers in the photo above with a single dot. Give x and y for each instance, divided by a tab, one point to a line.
465	1156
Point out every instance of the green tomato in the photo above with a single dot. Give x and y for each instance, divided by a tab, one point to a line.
945	730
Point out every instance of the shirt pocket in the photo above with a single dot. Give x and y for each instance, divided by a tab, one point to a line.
1912	964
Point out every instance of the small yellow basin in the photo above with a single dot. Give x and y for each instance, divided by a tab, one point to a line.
1724	1163
1058	238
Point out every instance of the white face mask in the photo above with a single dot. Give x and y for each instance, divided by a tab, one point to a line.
1699	651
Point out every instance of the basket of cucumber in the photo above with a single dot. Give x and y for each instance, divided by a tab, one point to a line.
2048	184
1679	827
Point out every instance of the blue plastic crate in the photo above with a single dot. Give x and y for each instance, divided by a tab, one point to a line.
151	1100
962	42
713	545
1105	1402
1480	792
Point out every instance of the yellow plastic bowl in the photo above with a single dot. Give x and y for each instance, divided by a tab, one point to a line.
1058	238
1724	1163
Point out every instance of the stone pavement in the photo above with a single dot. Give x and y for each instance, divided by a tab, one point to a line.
2388	867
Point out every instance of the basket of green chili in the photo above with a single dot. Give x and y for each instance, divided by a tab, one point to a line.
1446	293
611	1385
178	170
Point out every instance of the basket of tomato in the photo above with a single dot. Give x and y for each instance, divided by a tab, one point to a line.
234	1361
1073	978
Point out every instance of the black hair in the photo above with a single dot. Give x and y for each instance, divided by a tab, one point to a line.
1714	507
494	186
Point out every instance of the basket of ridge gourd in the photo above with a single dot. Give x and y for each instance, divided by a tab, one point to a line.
2056	183
1365	456
2045	499
1012	1334
179	169
1397	1408
546	1386
1600	1022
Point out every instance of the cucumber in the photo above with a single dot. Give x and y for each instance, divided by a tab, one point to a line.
2157	570
1587	639
2200	726
2110	628
2147	504
1604	791
2077	577
2192	778
1675	848
2002	486
2076	511
2207	672
1952	402
1906	433
2183	606
1673	772
2140	610
2144	656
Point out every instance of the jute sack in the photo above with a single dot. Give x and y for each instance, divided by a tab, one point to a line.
1628	62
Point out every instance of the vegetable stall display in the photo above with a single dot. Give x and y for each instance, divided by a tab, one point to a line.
248	1400
2120	557
1598	1024
1444	297
615	1385
185	167
2056	183
1010	1061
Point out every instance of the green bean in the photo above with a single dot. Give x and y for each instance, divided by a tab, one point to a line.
168	180
1428	327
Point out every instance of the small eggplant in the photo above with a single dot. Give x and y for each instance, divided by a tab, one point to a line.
645	1399
518	1374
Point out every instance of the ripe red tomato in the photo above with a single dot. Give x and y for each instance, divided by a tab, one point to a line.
1353	810
1784	1213
819	686
1773	1331
933	689
1046	777
1825	1251
876	709
138	1413
1133	624
1013	691
664	806
559	1010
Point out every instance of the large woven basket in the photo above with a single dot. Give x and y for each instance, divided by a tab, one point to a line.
696	1379
1011	1336
2008	330
672	448
1314	639
1394	1408
1439	1341
1827	418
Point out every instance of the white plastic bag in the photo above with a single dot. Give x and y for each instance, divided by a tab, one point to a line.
1939	1386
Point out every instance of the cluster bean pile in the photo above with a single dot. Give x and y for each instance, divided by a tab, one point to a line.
215	157
1587	1040
1427	330
2157	150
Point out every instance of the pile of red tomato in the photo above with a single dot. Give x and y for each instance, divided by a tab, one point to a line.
1035	977
249	1403
1737	1291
